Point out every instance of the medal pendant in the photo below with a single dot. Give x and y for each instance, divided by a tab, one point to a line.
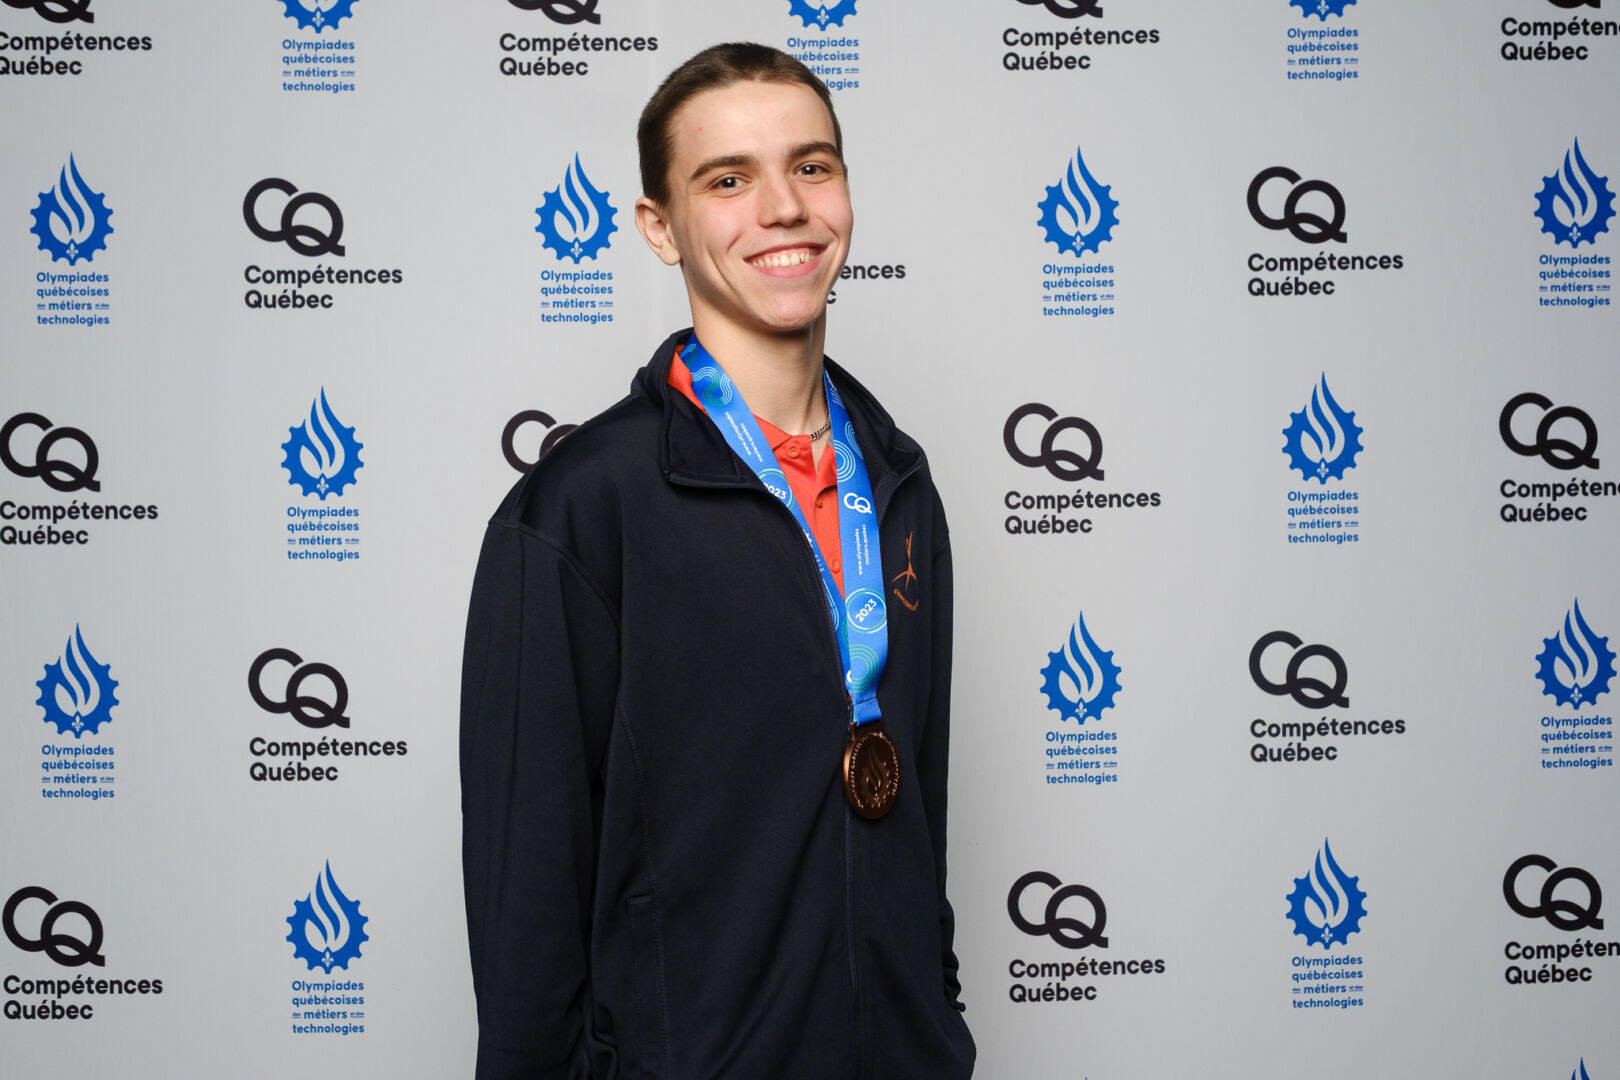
871	770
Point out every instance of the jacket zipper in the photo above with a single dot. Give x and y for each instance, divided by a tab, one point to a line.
849	813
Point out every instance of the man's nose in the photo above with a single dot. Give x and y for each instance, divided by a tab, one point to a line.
781	202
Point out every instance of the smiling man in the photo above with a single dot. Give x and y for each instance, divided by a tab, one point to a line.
706	689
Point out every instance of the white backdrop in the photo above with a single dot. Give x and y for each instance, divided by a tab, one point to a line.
1438	612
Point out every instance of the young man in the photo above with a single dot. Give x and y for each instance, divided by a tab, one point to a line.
705	711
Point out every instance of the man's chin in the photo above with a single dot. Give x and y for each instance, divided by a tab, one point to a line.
794	324
784	322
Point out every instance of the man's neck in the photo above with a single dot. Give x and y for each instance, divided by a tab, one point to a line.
778	376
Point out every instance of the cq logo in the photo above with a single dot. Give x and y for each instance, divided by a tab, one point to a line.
1063	464
1564	914
1309	692
857	503
1067	9
308	710
65	949
1306	226
57	11
1069	932
58	474
1559	453
304	239
531	416
566	12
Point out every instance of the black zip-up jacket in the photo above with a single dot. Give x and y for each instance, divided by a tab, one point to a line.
663	877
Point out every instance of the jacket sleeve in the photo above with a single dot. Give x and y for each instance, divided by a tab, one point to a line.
539	678
934	754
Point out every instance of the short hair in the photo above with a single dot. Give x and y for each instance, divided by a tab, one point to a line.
715	68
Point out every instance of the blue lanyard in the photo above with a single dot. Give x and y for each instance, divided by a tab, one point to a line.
861	619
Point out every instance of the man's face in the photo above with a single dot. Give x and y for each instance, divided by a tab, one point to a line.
758	215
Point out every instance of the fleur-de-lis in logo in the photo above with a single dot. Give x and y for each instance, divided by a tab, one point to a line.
322	455
1327	905
1574	203
77	691
1078	213
821	16
576	220
70	221
1575	665
1081	680
319	14
326	927
1320	8
1322	439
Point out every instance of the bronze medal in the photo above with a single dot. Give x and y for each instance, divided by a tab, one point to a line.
871	770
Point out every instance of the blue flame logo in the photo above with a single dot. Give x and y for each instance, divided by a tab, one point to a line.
320	14
821	16
1576	665
77	691
1077	213
1580	1074
1082	680
1322	440
576	220
322	455
1326	906
327	928
1320	8
1575	203
71	220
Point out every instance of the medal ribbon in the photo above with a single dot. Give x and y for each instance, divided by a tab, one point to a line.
860	618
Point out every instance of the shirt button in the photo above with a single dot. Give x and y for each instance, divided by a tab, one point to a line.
836	565
793	451
818	501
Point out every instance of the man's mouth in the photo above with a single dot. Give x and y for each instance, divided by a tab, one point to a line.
785	258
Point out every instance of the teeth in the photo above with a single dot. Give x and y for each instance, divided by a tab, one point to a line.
784	259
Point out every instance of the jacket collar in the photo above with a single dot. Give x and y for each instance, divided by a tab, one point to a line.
694	453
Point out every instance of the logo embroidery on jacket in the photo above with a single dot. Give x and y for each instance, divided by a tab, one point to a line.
905	583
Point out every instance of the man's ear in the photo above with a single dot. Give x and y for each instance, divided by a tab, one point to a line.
653	225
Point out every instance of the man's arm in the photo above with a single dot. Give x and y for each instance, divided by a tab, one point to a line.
934	754
539	677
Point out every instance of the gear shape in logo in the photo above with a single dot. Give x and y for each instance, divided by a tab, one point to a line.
1320	8
1104	676
94	206
305	919
1299	429
1553	190
1355	909
554	206
56	676
320	483
821	16
316	17
1078	243
1547	660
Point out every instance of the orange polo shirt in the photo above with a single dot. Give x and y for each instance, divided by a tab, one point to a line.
814	488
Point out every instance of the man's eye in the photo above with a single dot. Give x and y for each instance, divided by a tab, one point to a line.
728	183
812	168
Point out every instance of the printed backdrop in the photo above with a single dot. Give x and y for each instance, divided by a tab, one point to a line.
1264	353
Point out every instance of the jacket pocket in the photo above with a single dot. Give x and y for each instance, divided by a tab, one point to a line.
650	1018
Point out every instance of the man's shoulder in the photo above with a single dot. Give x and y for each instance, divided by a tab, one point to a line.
590	470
